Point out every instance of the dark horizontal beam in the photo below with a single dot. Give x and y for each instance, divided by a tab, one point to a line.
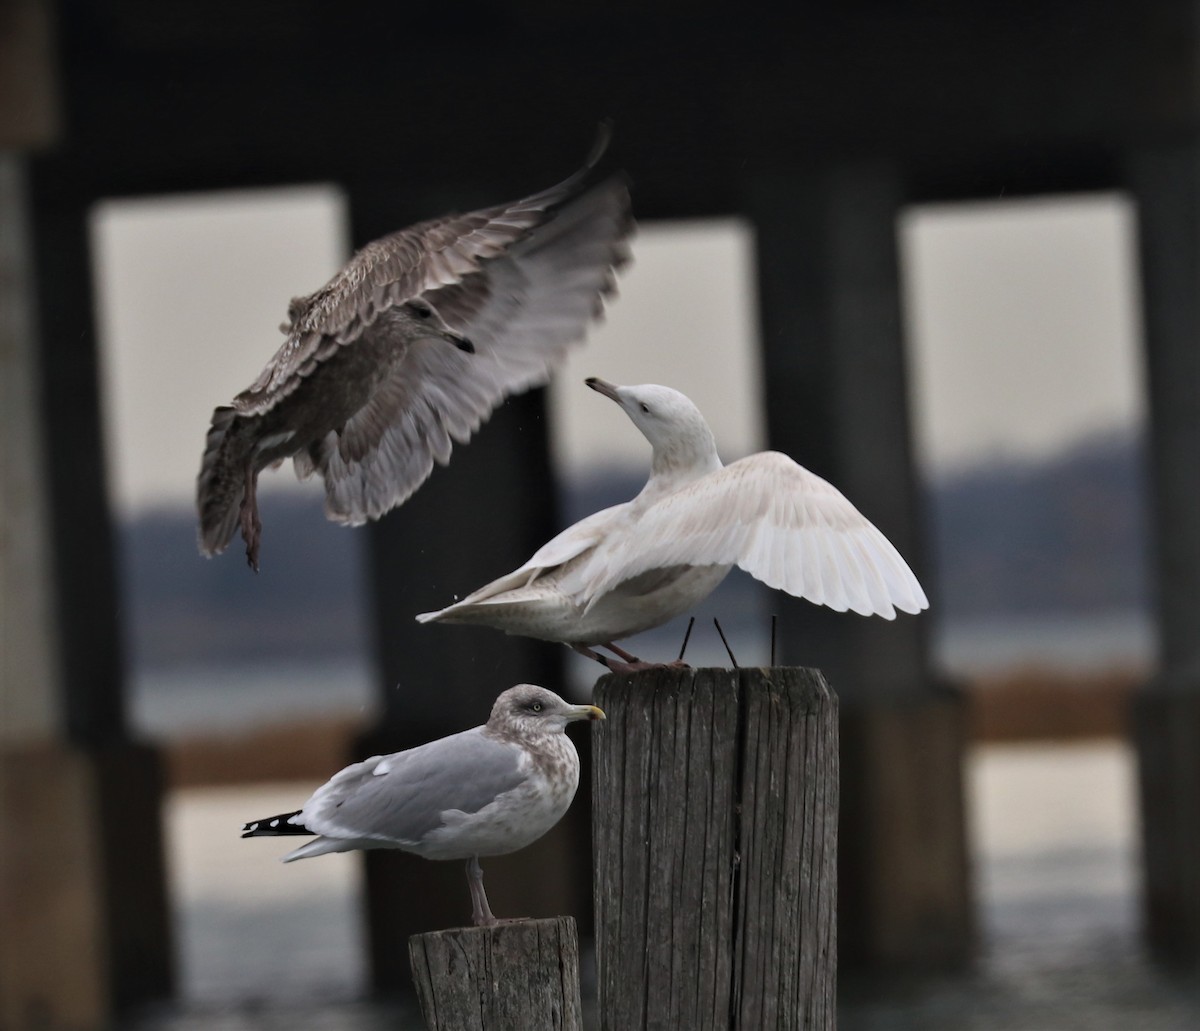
507	96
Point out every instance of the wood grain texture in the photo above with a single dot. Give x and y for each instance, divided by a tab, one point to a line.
715	830
521	975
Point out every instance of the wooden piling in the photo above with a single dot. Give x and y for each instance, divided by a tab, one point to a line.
520	975
714	818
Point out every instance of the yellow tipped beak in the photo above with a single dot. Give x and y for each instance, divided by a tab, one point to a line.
587	712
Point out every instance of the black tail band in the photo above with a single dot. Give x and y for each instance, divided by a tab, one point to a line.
274	826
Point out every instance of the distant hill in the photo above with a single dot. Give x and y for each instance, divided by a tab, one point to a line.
181	607
1064	535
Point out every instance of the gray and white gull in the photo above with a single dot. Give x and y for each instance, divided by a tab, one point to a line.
409	348
635	566
484	792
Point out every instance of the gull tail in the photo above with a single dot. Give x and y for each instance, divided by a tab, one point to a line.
468	610
445	615
286	824
490	596
221	484
275	826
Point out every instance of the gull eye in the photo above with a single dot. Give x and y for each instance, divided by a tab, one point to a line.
421	311
645	408
535	706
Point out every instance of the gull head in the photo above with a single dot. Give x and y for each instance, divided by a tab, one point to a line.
677	432
528	709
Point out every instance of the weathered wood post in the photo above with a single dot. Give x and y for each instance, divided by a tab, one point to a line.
714	818
521	975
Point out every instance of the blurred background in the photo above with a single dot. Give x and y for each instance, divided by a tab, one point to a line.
948	262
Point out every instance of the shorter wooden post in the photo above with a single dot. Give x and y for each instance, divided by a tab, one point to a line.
714	816
521	975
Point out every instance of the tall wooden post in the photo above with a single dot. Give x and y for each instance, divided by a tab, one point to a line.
518	975
714	816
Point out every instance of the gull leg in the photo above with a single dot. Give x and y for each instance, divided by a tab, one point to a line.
587	653
250	522
620	652
626	663
632	663
481	912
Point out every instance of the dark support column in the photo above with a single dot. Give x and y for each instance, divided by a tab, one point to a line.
1166	186
836	396
474	520
48	965
126	776
91	864
85	577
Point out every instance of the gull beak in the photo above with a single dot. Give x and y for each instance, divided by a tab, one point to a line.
462	343
601	387
585	712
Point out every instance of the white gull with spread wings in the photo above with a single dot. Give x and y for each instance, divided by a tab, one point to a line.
410	347
484	792
635	566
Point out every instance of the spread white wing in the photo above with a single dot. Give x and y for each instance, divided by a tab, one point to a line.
771	517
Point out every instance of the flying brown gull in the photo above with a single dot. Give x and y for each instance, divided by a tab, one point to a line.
410	347
635	566
484	792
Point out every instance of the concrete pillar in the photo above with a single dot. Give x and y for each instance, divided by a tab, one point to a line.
28	658
472	521
1166	186
82	885
836	397
44	855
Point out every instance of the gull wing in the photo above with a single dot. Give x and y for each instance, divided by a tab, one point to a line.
415	262
773	518
403	797
520	311
572	543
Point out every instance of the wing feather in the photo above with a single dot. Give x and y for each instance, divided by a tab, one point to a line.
572	543
418	261
781	523
403	797
521	312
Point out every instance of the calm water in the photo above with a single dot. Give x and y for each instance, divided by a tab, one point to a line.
265	947
180	700
1082	644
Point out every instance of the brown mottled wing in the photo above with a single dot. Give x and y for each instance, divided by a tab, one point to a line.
393	269
521	311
